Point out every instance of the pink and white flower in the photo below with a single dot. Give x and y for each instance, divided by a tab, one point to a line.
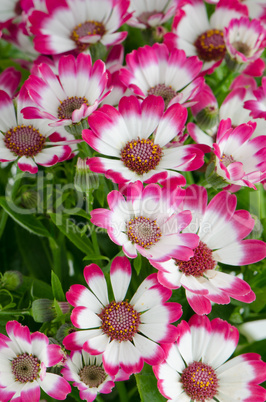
193	32
151	13
28	141
257	106
9	80
147	221
196	366
256	8
69	97
9	10
88	375
240	160
138	138
24	360
153	70
245	41
221	229
126	333
88	22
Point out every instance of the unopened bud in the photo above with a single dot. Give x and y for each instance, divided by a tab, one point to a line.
85	180
77	128
208	117
11	280
43	310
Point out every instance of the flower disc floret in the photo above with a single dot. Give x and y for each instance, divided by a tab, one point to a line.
199	263
141	155
69	105
143	231
87	28
120	321
166	92
92	375
210	45
24	140
25	368
199	381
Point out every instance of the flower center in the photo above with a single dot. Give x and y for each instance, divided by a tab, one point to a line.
141	156
199	263
242	48
120	321
210	45
24	140
226	160
68	106
199	381
167	93
143	231
93	376
25	368
86	29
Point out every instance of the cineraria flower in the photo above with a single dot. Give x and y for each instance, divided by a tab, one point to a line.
195	367
69	97
124	332
9	80
88	375
256	8
137	136
245	42
28	141
258	106
240	160
88	22
151	13
220	229
193	32
156	71
24	359
147	221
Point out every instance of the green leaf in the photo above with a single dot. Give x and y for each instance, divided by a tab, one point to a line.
28	222
57	287
41	290
72	232
94	257
137	263
147	386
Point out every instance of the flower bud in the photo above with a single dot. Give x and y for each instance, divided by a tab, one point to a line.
84	179
11	280
43	310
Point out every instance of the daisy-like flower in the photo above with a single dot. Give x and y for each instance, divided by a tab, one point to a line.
69	97
151	13
196	366
147	221
220	229
137	136
9	80
88	375
193	32
24	360
257	106
240	160
156	71
245	41
88	22
124	332
28	141
256	8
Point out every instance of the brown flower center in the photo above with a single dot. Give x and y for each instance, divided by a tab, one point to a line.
143	231
68	106
141	156
24	140
167	93
86	29
199	382
25	368
210	45
93	376
199	263
120	321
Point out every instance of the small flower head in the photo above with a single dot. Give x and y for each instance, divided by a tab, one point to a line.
125	332
24	359
196	367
